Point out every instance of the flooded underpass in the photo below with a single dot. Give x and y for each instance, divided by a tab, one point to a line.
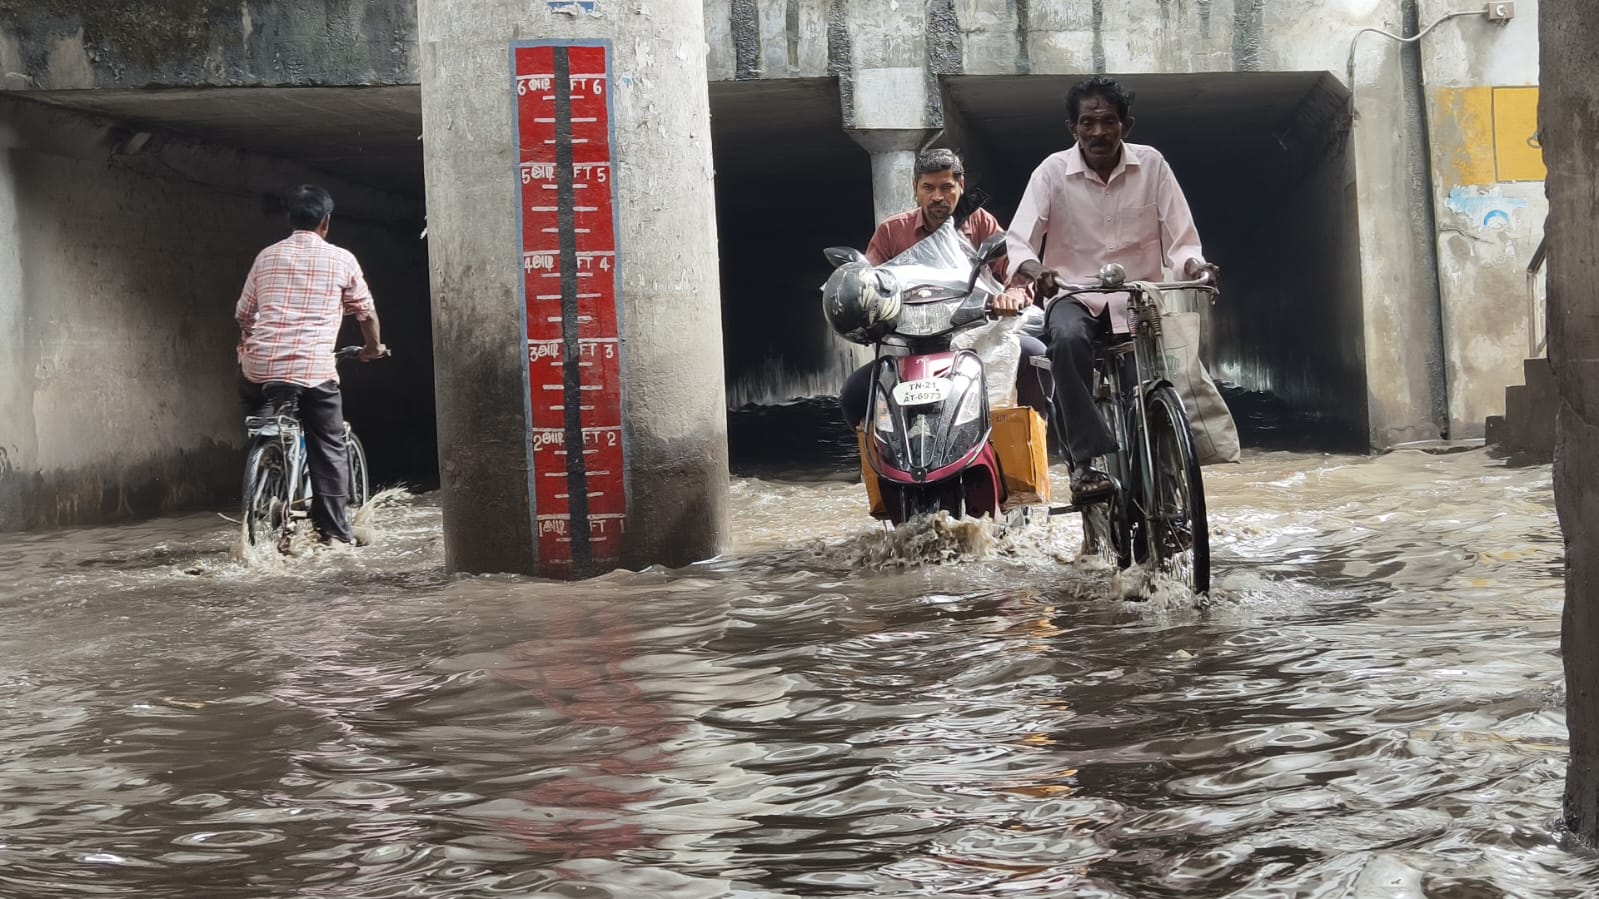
1369	705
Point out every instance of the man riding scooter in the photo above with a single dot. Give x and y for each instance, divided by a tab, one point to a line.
940	182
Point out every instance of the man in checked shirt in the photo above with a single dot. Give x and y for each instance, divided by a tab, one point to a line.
294	301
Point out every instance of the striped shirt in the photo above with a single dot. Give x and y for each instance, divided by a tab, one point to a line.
294	301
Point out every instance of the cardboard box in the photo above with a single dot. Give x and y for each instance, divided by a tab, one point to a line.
869	477
1022	444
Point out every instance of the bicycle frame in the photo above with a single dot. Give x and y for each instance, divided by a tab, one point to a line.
1133	466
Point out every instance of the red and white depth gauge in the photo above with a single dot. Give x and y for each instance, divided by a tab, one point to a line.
569	276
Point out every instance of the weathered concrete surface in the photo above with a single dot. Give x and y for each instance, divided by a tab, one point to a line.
63	44
117	283
674	400
1401	344
1569	109
1398	339
1487	186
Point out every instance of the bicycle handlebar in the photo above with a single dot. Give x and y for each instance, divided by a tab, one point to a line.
351	352
1197	284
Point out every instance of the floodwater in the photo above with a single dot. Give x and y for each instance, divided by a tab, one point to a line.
1369	705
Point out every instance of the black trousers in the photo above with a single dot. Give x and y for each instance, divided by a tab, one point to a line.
321	412
1072	332
1031	389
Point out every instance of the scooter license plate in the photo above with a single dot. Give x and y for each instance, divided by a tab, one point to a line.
921	393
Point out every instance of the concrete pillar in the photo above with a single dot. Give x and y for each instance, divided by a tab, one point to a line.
893	190
1569	112
577	327
891	113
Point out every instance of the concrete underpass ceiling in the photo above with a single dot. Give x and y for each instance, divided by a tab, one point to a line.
368	135
784	131
1023	118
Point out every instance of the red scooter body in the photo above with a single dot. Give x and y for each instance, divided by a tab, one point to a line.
932	454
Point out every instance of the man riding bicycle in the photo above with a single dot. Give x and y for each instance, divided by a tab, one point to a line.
1102	200
294	300
940	181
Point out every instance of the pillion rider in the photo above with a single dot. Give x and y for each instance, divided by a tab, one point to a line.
1102	200
940	181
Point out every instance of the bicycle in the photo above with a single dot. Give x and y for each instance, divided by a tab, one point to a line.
277	480
1157	507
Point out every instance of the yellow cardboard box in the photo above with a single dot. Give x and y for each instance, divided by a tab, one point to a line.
1022	444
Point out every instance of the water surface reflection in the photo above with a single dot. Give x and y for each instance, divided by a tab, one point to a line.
1370	705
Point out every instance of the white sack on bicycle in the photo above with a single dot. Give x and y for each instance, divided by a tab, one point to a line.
1214	431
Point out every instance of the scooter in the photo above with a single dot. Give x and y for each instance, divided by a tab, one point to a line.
928	442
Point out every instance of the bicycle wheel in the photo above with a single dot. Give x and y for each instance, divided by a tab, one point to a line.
1179	533
1105	524
265	493
360	485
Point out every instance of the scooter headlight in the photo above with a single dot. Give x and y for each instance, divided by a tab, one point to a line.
883	421
969	379
971	404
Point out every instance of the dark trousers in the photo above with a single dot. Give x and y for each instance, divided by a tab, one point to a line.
321	412
1072	332
1031	388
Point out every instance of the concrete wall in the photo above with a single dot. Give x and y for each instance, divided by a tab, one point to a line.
65	44
118	387
1570	108
1487	184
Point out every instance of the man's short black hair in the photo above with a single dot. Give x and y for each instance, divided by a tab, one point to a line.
939	160
1108	89
309	205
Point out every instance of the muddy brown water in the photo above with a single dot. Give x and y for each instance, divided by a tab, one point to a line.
1369	705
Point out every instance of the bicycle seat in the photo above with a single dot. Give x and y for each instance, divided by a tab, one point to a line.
1113	345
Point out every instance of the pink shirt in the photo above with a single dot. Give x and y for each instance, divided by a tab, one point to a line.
1139	218
294	301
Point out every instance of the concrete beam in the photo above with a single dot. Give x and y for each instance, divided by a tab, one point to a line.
67	45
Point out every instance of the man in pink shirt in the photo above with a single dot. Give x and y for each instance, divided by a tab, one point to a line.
940	184
1103	200
289	313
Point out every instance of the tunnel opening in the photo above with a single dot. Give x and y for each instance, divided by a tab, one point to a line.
1262	157
139	213
789	182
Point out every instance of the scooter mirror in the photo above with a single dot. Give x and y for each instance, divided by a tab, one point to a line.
992	248
842	255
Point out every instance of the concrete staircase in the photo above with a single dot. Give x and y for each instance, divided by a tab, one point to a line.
1526	432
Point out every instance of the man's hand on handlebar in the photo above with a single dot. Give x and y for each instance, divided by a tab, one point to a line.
1199	268
1011	302
1045	283
371	353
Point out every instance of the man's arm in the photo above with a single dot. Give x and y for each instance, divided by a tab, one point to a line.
358	302
244	311
373	335
1179	236
1026	235
984	226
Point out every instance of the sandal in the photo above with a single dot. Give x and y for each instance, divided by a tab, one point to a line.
1090	485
